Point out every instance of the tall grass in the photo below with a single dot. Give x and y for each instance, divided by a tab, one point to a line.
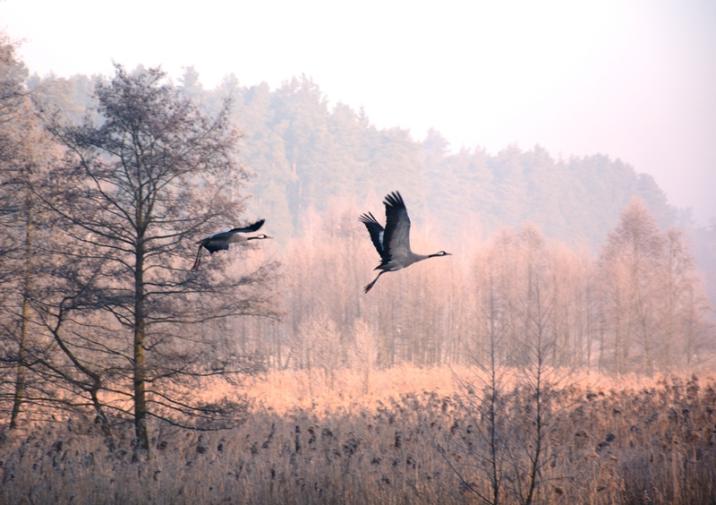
648	441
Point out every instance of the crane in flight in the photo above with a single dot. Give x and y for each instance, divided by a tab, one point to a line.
221	241
393	241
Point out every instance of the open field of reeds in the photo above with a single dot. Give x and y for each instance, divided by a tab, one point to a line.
601	441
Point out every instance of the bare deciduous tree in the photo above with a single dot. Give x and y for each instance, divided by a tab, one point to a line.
25	152
136	190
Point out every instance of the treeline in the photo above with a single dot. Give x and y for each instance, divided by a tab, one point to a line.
304	152
636	306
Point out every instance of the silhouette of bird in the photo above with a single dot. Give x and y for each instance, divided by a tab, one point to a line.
221	241
393	241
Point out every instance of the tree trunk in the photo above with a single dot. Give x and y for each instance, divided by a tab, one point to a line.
494	472
140	403
19	394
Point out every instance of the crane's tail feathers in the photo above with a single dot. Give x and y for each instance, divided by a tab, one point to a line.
252	227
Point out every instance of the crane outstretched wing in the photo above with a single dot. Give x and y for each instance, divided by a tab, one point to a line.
247	229
396	242
375	230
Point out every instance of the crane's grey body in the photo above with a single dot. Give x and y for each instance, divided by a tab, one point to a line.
393	241
221	241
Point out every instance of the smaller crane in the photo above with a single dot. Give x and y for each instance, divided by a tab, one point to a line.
220	241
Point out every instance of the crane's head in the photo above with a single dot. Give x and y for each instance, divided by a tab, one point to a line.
439	253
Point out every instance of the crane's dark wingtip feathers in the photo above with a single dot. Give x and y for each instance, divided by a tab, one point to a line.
368	218
375	230
394	199
252	227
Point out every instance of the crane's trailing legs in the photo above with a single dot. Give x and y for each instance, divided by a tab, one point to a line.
372	283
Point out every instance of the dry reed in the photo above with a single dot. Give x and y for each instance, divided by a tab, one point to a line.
414	437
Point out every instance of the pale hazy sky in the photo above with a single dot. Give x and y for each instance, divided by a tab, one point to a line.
632	79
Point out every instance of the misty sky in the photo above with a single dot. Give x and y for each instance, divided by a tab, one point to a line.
635	80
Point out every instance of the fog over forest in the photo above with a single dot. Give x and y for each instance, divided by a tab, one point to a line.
304	155
563	352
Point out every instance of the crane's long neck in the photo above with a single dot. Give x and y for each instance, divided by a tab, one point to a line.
413	258
420	257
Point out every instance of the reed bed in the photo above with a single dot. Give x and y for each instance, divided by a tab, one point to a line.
649	441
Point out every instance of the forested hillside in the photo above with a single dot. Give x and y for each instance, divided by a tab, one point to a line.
304	151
